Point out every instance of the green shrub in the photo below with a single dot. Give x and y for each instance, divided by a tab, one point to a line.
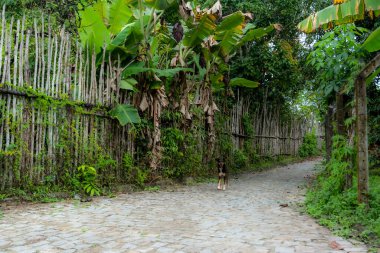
309	146
134	174
86	180
128	161
240	160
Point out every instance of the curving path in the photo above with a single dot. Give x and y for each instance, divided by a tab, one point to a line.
245	218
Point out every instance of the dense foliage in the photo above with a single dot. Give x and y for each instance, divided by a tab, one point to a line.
309	146
185	67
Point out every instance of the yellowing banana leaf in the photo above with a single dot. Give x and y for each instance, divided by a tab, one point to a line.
372	43
229	32
242	82
232	21
306	25
126	114
327	15
347	12
205	27
351	11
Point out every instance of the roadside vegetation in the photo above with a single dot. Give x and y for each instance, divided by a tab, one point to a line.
100	97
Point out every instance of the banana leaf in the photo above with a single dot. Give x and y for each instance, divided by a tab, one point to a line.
229	32
372	76
255	34
242	82
372	43
128	84
92	31
205	27
347	12
119	15
160	4
126	114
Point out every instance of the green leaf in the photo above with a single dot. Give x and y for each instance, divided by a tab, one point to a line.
248	27
122	36
373	76
92	31
242	82
202	71
120	13
372	43
170	72
231	21
128	84
102	9
373	5
217	80
125	114
202	30
160	4
134	69
255	34
229	32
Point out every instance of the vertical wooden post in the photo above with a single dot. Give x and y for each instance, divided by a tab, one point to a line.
329	132
362	140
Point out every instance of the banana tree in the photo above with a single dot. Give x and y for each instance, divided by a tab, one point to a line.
100	26
211	40
342	12
131	32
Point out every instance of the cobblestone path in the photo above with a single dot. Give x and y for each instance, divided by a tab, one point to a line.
245	218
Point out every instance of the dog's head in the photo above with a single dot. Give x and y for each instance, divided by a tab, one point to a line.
219	162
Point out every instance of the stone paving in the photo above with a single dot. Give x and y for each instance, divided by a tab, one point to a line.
247	217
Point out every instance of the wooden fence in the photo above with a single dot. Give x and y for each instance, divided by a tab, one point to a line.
271	135
53	106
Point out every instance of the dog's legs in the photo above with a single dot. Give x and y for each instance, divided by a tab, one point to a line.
225	182
219	183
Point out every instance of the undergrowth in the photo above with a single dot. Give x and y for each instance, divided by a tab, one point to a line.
338	208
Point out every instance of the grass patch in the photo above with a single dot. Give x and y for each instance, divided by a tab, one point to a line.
341	212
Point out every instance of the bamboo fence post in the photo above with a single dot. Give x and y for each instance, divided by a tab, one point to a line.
75	83
49	89
15	54
36	64
54	84
44	86
3	28
21	55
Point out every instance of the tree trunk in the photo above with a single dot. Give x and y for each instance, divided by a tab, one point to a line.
361	129
342	131
340	113
329	132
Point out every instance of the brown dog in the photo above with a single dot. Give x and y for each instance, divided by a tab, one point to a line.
222	174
